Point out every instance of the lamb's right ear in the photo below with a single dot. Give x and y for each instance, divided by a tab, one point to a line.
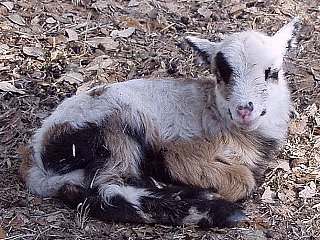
203	46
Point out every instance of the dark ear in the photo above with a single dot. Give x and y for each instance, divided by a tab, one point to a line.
203	46
285	36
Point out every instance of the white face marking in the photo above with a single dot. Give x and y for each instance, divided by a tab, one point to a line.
251	102
250	55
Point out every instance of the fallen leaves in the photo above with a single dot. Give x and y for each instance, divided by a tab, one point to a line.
125	33
268	196
9	87
106	43
72	77
205	12
8	5
72	34
309	190
101	62
17	19
34	52
3	234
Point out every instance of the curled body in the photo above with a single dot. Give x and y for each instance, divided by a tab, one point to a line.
169	151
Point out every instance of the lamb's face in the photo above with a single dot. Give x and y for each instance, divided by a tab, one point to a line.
248	68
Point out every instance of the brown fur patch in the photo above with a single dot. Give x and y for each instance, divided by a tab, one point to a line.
224	163
26	154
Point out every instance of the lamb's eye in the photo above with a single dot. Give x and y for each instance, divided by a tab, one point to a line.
271	74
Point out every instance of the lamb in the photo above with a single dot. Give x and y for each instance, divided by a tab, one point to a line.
170	151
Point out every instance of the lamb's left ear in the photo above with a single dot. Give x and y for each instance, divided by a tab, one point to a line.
203	46
285	36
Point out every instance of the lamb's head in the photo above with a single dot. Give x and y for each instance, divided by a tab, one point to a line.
248	68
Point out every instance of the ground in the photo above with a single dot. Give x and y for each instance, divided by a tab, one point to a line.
51	50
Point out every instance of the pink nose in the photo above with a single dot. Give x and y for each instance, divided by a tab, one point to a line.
243	112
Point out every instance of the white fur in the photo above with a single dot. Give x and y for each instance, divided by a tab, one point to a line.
194	216
129	193
44	183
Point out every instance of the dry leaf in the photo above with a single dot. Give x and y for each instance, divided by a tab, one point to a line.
100	5
4	48
317	143
107	43
41	221
8	5
8	87
282	164
72	35
4	67
268	195
287	195
101	62
309	191
52	218
133	3
33	52
51	20
123	33
57	39
17	19
72	77
298	126
3	234
237	8
205	12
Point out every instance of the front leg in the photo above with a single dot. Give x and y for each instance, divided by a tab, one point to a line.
199	163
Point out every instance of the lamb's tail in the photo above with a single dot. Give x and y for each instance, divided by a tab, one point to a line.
169	205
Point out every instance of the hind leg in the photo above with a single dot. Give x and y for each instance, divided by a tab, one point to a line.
149	205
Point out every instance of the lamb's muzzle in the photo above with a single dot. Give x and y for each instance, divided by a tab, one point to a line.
181	155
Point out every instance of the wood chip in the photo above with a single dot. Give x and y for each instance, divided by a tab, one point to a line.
123	33
268	196
101	62
205	12
309	191
72	77
17	19
33	52
72	35
133	3
237	8
8	5
51	20
8	87
107	43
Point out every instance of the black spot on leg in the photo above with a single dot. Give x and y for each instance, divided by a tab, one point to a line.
152	162
224	70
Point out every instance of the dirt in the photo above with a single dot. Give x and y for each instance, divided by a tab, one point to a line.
51	50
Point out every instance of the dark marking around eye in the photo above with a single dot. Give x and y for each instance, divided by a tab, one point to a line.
264	111
230	114
223	67
273	74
